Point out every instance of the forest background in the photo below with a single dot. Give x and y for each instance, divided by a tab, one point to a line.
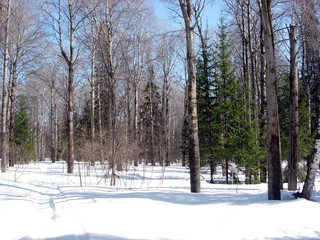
107	81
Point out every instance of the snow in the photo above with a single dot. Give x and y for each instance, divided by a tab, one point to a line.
41	201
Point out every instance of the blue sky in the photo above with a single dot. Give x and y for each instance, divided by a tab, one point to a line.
211	13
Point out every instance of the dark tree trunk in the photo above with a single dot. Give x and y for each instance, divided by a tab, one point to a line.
54	124
70	121
12	114
165	115
70	61
185	124
93	96
102	158
135	118
263	103
294	114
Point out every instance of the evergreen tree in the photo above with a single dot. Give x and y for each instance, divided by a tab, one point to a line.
23	136
225	136
151	120
228	104
83	121
205	104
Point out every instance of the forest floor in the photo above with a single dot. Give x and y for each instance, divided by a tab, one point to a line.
40	201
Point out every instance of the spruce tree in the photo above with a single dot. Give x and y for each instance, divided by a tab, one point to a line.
237	140
151	120
23	136
228	104
205	104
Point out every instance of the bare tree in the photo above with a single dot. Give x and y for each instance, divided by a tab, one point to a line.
187	8
25	34
66	19
273	132
167	58
294	113
312	164
4	133
70	61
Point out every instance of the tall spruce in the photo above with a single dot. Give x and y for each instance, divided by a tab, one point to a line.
24	139
205	104
151	120
228	106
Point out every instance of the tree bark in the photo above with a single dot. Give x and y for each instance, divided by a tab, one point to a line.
100	123
70	61
93	96
294	113
71	91
165	114
312	164
273	132
12	114
54	123
194	154
4	133
263	102
135	117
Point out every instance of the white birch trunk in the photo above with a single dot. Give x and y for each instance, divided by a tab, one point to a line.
193	144
4	133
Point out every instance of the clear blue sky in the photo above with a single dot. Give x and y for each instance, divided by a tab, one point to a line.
211	13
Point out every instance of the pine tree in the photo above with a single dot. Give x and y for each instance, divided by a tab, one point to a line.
23	137
228	104
234	138
205	104
151	120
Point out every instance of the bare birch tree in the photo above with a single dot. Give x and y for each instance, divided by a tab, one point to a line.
187	8
4	133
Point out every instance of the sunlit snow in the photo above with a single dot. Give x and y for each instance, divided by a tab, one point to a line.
41	201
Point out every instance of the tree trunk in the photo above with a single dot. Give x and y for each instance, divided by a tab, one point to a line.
312	164
4	133
100	123
294	114
185	125
112	93
263	103
92	120
194	154
70	107
135	117
165	115
70	121
12	114
70	61
54	124
273	132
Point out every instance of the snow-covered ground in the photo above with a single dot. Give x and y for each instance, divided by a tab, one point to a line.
41	201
